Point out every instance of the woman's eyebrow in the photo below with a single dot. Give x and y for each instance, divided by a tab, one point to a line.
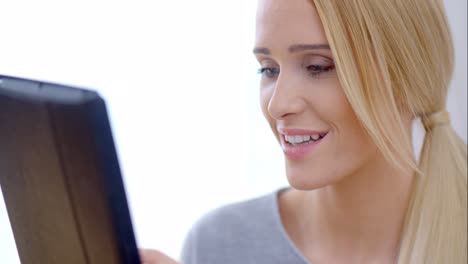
261	50
293	48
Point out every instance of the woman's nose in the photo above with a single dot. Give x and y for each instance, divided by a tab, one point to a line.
286	99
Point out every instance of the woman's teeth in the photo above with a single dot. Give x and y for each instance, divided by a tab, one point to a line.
301	139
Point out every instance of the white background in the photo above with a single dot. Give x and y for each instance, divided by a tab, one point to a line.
179	79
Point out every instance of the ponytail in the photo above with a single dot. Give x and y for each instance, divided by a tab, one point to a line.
436	221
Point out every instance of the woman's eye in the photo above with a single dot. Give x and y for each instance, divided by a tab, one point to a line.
316	70
268	71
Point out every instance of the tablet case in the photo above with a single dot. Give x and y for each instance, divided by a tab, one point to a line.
60	176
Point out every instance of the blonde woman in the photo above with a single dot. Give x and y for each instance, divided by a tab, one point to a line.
342	82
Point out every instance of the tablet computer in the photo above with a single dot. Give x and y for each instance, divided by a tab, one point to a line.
60	176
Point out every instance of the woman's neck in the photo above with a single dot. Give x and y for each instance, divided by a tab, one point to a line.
358	220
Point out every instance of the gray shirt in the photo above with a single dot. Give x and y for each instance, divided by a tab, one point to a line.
248	232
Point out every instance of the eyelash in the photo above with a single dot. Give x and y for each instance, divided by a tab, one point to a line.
314	70
268	71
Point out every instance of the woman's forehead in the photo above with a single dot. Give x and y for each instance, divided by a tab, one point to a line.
288	19
283	8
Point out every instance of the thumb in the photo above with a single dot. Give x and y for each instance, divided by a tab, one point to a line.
151	256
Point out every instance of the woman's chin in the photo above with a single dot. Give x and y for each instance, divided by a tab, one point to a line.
307	182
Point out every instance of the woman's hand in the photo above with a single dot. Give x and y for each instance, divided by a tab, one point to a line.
150	256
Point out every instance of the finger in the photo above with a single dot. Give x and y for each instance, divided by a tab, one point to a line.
150	256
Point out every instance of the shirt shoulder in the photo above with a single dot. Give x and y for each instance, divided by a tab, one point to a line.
253	214
244	232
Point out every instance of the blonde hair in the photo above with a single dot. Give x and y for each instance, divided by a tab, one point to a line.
395	57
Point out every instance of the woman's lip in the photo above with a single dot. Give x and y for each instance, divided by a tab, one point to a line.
299	132
299	151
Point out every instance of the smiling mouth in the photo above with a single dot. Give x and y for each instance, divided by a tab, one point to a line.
298	140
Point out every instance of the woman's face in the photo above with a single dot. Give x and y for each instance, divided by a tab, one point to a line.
302	98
